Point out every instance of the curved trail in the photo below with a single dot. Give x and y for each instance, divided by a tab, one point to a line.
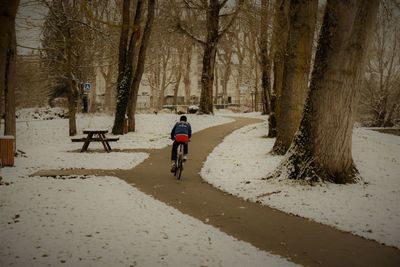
298	239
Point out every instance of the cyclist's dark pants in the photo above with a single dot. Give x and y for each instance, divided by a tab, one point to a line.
175	147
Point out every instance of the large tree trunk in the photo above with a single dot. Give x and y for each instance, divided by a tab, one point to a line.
280	33
322	147
210	51
124	85
207	79
296	73
140	66
8	11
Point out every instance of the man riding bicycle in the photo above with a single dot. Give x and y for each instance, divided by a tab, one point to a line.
181	134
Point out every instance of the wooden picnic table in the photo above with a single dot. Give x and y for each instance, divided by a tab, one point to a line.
95	135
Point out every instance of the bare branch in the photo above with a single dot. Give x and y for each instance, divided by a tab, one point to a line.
189	34
234	15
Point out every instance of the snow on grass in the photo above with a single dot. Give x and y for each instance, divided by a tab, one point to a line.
102	221
370	208
47	145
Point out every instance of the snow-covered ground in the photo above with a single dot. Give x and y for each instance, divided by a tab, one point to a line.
103	221
370	208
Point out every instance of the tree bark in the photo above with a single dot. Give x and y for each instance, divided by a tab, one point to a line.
8	11
216	86
280	33
302	19
140	66
321	150
210	51
123	39
265	61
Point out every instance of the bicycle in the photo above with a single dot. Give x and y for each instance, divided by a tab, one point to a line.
179	162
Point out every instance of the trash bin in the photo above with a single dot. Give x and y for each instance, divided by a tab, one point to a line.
7	150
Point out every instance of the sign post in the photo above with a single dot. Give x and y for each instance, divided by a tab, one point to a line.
86	90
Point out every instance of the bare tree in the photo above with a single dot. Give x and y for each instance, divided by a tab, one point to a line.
8	11
322	147
240	40
140	65
381	94
166	78
215	14
65	41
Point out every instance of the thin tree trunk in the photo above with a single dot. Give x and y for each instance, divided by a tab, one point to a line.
216	86
109	94
8	11
177	83
227	74
161	98
225	87
72	93
296	72
140	66
265	60
239	83
322	148
186	78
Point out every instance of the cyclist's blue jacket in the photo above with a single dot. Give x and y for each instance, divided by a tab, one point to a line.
181	132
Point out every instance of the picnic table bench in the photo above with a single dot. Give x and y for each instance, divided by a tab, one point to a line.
95	135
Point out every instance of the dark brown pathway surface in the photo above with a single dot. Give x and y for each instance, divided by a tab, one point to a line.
295	238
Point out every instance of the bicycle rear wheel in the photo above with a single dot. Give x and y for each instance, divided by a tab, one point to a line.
179	171
179	162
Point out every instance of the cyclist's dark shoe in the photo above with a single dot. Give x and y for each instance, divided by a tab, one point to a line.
173	167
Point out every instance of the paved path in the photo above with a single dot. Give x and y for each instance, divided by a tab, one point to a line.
298	239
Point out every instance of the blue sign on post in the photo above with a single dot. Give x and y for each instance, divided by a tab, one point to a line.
87	87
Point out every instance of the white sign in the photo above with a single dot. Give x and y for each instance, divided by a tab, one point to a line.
87	87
